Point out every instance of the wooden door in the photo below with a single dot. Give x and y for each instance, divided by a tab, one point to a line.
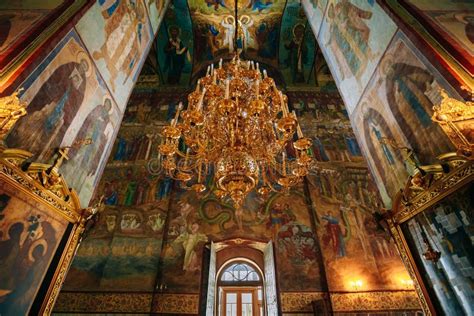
240	301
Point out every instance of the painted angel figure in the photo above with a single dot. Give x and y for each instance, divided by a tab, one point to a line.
190	240
229	24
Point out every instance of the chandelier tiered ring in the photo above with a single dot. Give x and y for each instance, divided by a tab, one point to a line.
236	127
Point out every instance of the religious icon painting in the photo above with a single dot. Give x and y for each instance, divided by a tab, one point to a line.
69	105
395	112
118	35
354	35
30	233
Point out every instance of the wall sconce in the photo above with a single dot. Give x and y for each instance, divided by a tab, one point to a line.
408	284
356	285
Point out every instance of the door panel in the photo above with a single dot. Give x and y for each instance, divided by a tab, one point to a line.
270	280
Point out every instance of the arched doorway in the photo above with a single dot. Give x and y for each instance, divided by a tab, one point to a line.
240	289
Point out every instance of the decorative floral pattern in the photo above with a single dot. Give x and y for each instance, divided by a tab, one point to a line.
176	303
375	301
103	302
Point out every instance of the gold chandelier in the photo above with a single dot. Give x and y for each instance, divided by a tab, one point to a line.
236	126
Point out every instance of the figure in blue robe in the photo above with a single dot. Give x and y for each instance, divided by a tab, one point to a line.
121	149
387	152
259	5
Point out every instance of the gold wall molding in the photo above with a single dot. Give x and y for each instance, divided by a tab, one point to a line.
374	301
426	188
42	180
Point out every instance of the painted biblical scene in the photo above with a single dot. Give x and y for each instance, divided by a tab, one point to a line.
29	236
151	108
297	46
257	30
175	45
315	12
452	22
446	228
195	220
122	252
354	35
323	118
19	19
68	106
355	247
393	120
126	184
156	10
117	34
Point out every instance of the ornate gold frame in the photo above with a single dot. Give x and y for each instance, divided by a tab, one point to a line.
429	186
45	185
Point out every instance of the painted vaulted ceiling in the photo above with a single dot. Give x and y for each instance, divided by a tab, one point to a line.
275	33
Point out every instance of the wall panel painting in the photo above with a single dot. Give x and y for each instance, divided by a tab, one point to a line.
175	44
214	28
297	46
122	252
353	36
68	106
284	218
117	37
354	246
396	111
451	22
29	237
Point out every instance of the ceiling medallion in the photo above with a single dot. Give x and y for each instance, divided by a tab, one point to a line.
237	127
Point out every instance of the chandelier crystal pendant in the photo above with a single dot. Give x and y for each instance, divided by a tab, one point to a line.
237	126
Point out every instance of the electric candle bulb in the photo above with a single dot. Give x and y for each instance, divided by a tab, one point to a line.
212	69
220	63
227	88
201	99
265	73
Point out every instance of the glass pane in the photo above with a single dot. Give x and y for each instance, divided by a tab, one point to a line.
246	304
231	298
246	298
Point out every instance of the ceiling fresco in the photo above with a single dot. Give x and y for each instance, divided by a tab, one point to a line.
276	34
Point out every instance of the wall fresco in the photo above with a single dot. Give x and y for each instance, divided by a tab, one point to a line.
68	105
175	45
354	35
397	102
315	10
117	37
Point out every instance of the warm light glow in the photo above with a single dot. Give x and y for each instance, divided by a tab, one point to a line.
237	125
408	283
356	285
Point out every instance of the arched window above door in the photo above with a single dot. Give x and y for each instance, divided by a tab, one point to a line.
240	272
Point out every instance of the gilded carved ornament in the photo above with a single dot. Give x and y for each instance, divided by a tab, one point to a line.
456	118
11	109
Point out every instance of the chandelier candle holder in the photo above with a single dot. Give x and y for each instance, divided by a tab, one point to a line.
238	126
